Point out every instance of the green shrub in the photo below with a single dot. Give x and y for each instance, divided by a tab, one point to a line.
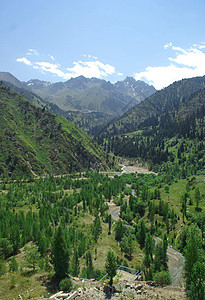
162	278
66	284
13	265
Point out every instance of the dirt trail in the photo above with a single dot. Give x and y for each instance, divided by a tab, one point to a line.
175	258
175	265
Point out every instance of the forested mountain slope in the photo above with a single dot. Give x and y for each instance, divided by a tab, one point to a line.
35	141
161	102
174	137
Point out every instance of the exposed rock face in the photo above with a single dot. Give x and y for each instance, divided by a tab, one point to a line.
92	289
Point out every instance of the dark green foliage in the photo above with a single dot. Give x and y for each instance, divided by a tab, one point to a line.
194	264
110	266
13	265
109	223
75	263
60	254
197	196
89	265
118	231
166	130
162	278
164	253
197	285
126	245
66	284
97	228
146	113
148	258
161	259
6	248
3	268
32	257
141	234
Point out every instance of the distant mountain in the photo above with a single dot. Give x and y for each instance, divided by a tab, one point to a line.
92	94
136	89
37	84
8	77
90	103
153	106
34	141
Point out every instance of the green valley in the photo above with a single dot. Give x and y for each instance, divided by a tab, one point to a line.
68	214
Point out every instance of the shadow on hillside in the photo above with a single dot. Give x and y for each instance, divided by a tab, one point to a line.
51	283
110	291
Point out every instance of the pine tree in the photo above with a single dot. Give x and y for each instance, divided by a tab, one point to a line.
193	254
32	257
13	265
164	253
97	228
148	259
60	255
197	197
89	265
142	234
118	231
110	266
109	224
75	263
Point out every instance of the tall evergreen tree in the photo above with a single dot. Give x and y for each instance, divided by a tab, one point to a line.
164	253
110	266
119	231
142	234
89	264
197	197
194	264
148	258
60	254
109	224
75	263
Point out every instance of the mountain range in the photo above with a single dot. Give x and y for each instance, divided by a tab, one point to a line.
92	94
88	103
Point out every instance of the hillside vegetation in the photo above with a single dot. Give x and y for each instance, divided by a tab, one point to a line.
162	101
54	227
68	219
35	141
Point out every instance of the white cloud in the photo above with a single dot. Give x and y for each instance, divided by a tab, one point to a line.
120	74
91	67
51	68
187	63
24	60
32	52
90	56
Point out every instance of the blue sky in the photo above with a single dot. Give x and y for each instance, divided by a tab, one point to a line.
158	41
